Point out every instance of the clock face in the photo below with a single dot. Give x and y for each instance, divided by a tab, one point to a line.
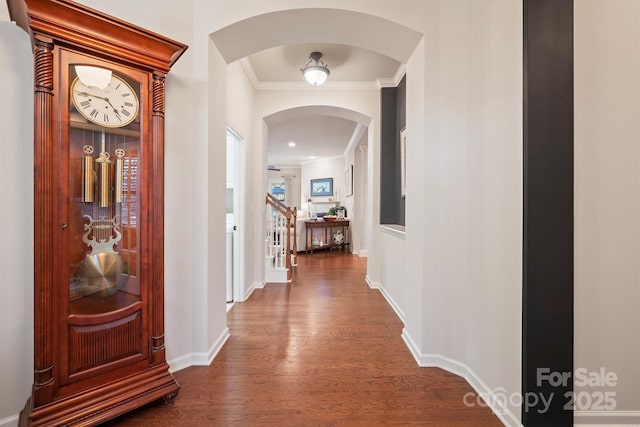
116	105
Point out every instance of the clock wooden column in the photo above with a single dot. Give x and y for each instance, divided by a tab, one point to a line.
99	110
44	214
157	336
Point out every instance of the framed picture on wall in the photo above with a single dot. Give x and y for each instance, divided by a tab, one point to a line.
322	187
403	161
348	179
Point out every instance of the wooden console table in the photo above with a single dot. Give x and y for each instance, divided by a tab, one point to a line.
320	234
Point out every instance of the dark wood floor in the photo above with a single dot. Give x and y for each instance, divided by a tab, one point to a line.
324	350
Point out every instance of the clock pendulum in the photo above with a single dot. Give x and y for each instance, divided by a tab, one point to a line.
103	271
107	101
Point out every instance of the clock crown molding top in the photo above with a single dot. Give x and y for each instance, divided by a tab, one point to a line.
80	25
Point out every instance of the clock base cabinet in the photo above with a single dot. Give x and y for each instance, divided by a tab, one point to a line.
99	347
95	406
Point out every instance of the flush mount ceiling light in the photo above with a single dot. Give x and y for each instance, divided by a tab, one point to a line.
316	71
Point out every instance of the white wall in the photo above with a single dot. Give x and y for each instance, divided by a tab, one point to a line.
240	111
349	201
185	99
361	199
395	282
16	245
494	189
354	203
470	218
607	195
330	167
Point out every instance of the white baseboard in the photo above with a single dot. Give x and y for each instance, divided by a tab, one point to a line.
11	421
606	418
450	365
199	358
372	284
462	370
243	296
249	291
392	303
276	275
385	294
259	285
508	418
179	363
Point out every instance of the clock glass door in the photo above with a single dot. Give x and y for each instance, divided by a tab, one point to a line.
105	304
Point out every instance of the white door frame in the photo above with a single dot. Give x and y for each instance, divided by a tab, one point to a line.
239	214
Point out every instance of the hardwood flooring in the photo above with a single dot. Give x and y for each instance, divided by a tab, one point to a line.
324	350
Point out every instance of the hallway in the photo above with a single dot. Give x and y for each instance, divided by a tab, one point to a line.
325	350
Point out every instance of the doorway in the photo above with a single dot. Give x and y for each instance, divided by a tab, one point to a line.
234	215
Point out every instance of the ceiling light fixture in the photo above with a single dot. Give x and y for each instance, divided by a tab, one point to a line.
316	71
291	144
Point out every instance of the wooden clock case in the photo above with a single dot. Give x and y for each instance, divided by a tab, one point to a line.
122	366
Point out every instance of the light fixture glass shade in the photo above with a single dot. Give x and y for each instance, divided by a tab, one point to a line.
93	76
315	74
316	71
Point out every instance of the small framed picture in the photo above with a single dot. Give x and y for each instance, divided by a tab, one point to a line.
322	187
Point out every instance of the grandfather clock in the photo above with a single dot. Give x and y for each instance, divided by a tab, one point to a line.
99	176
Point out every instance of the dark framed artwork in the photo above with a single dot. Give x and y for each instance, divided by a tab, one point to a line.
322	187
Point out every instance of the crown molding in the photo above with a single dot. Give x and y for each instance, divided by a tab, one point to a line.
355	137
303	86
248	69
395	80
284	166
306	162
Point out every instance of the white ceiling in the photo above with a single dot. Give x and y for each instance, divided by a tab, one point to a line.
345	63
315	135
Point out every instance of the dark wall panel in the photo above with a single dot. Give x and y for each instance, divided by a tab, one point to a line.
388	206
393	119
547	346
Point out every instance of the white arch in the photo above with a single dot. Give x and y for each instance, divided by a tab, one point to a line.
317	110
306	25
260	32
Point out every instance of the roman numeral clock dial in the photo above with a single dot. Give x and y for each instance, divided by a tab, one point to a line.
113	105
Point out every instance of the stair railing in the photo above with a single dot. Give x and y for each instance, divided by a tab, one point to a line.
279	230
